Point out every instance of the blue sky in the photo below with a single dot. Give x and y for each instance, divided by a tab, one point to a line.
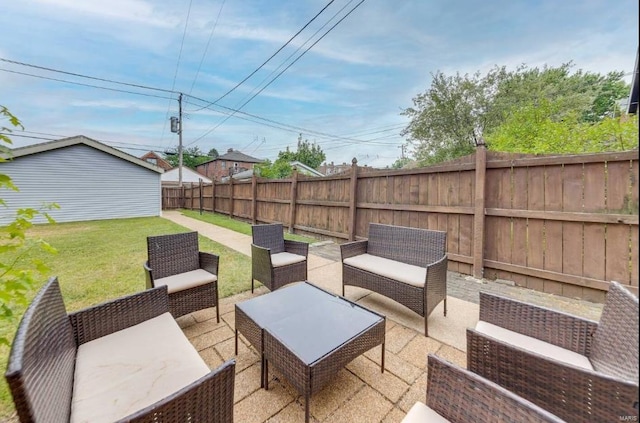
345	93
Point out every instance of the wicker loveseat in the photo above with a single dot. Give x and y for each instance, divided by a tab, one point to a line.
578	369
408	265
124	360
457	395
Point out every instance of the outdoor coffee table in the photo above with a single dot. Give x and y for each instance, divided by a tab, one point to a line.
308	334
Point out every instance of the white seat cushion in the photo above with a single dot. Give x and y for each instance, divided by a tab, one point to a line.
534	345
407	273
284	259
420	413
123	372
186	280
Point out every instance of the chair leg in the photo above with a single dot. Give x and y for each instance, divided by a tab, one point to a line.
252	285
445	306
426	327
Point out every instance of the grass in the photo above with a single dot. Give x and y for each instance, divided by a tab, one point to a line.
236	225
101	260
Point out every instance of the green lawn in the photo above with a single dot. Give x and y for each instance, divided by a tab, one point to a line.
236	225
101	260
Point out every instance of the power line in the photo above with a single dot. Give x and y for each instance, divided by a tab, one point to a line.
279	74
270	57
204	54
84	85
13	134
79	75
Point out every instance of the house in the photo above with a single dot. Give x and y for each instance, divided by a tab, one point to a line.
633	95
153	158
227	164
87	179
302	168
332	169
170	178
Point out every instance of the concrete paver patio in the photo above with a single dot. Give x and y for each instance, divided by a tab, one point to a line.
359	392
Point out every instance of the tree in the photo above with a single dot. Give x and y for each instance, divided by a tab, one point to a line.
18	273
448	119
308	153
191	157
213	154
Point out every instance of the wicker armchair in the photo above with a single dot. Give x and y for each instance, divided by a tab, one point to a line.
190	275
77	366
276	261
578	369
455	394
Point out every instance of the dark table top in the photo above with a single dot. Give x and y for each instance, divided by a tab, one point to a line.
309	321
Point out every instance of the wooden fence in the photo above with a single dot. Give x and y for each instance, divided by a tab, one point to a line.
560	224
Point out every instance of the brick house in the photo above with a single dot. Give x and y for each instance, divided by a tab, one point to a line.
227	164
155	159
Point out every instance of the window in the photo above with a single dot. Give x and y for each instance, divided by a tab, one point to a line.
152	160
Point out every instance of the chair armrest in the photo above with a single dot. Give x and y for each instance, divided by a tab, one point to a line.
296	247
209	399
354	248
261	266
148	273
460	395
209	262
570	392
564	330
109	317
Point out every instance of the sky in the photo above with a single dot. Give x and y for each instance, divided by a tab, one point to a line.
255	75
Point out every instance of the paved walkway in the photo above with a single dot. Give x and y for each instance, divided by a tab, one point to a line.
360	393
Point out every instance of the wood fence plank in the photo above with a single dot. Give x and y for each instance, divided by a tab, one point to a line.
553	188
634	254
553	246
617	187
594	250
617	265
535	188
520	187
594	187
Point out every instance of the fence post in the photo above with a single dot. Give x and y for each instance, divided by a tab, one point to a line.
201	193
191	205
292	205
230	197
183	201
254	199
478	212
213	196
353	190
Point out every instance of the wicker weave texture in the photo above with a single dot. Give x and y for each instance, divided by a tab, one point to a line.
173	254
267	240
418	247
42	359
459	395
41	364
572	393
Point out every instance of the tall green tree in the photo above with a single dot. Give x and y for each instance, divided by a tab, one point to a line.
448	119
191	157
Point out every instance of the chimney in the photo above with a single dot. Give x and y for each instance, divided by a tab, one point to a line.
230	150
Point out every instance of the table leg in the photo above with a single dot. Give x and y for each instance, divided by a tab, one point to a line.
382	360
266	374
236	342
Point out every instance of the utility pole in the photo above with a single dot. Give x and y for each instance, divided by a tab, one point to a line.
180	140
176	126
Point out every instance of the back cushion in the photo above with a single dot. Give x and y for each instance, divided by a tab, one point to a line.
419	247
614	350
269	236
42	360
173	254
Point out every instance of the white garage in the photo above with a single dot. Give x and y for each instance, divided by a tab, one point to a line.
87	179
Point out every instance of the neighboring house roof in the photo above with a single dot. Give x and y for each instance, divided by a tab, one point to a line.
304	169
159	161
76	140
235	156
188	176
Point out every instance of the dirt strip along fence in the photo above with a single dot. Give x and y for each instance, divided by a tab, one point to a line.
559	224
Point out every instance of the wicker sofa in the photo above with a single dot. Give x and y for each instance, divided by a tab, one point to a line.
408	265
124	360
457	395
578	369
